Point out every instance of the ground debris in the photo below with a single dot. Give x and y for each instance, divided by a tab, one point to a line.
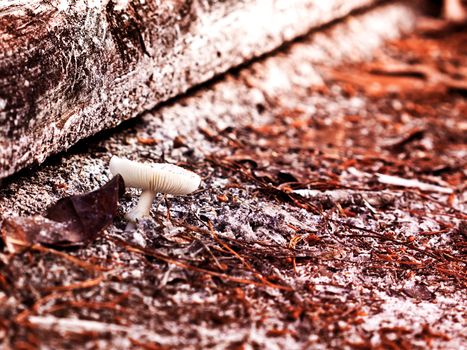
72	221
398	181
300	236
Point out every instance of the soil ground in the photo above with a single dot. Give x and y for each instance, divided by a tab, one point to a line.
332	214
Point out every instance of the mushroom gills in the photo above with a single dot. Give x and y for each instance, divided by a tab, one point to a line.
152	178
158	177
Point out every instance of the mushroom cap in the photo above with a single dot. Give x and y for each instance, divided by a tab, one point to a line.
157	177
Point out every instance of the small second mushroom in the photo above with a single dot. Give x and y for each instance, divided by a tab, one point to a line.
153	178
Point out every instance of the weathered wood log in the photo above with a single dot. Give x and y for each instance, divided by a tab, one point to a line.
69	69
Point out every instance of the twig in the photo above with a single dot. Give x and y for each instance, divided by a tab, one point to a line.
78	285
74	260
242	260
76	325
187	266
167	204
22	316
374	234
111	305
216	261
399	181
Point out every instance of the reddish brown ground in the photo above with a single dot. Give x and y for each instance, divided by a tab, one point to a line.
293	241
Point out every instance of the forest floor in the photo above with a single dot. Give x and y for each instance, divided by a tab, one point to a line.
332	214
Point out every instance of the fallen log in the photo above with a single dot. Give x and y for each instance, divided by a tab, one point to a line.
69	69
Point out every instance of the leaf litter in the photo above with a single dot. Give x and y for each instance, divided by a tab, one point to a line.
292	242
72	221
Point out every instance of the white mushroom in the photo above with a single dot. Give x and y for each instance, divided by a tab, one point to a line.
153	178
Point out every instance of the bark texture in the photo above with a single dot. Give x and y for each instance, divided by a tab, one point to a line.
69	69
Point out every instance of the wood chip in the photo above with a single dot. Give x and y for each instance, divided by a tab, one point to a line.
399	181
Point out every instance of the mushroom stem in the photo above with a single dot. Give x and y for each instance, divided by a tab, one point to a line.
143	207
153	178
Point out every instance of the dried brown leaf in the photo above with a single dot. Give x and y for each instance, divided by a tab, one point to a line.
91	212
419	291
22	232
72	221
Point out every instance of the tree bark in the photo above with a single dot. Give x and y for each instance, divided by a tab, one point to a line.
69	69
